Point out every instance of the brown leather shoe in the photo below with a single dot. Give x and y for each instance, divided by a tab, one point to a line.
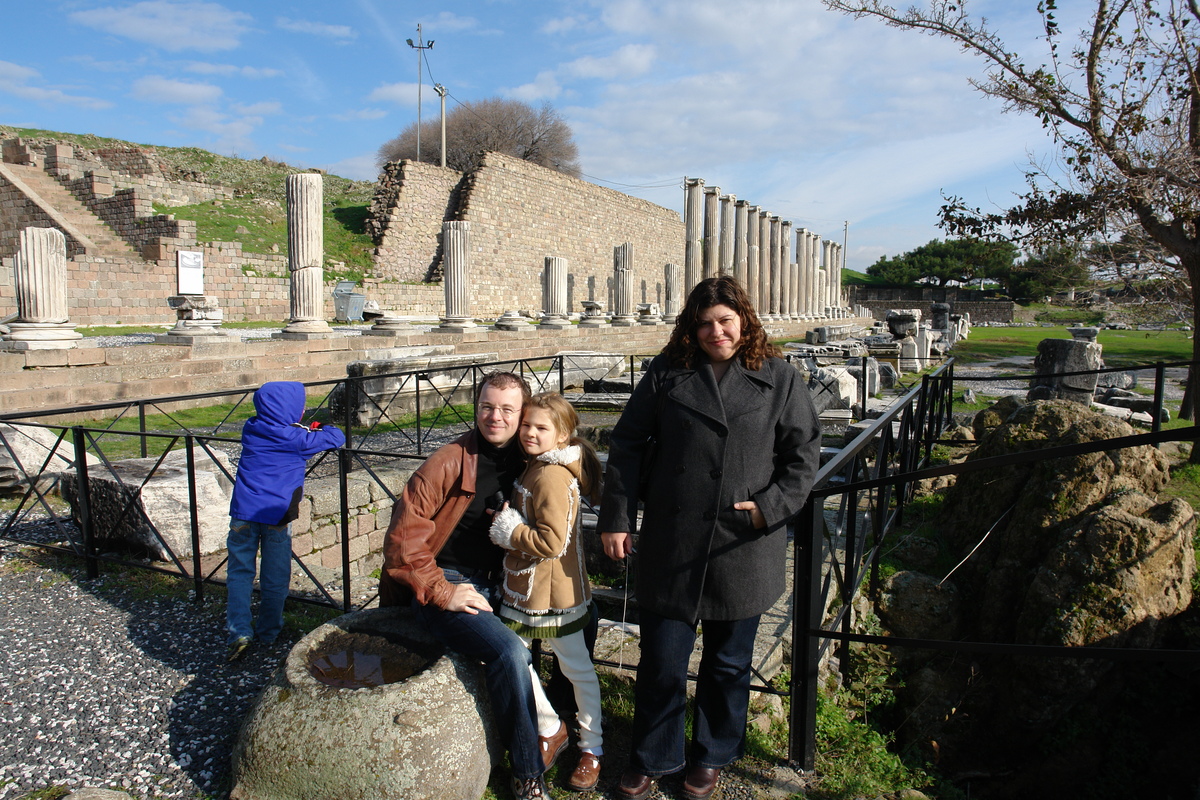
586	774
701	782
635	785
552	746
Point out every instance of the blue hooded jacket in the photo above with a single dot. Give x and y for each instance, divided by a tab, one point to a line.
275	447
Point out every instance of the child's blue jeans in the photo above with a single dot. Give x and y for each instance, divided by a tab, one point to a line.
245	539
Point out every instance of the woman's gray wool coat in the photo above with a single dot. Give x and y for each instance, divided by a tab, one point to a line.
754	436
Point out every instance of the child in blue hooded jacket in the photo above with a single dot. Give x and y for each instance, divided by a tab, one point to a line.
266	498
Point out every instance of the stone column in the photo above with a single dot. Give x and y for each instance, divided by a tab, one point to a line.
40	274
802	252
776	295
822	291
818	299
712	233
624	314
752	248
764	263
727	243
739	241
456	280
306	255
673	292
830	279
554	295
787	289
693	227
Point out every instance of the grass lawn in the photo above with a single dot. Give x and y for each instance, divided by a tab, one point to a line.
1121	348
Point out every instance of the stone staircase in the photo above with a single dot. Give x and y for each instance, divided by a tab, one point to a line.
95	238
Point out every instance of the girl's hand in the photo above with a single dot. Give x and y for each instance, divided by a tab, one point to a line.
756	517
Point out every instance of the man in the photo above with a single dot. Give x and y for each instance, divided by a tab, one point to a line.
438	557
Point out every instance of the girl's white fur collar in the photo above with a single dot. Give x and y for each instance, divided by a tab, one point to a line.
566	455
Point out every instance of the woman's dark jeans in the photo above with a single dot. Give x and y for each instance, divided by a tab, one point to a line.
660	696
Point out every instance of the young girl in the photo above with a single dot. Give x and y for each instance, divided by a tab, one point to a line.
546	591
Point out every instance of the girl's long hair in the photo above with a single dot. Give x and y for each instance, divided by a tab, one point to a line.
566	420
683	349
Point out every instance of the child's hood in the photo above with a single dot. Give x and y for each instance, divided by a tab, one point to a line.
280	402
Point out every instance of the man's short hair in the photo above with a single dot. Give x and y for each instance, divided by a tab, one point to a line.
505	380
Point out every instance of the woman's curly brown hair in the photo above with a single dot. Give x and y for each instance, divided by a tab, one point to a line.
683	349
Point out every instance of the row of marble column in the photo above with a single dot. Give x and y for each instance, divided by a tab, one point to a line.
725	235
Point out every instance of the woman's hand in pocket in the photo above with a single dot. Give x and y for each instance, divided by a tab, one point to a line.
756	516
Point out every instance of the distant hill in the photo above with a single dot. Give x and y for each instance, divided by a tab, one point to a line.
258	205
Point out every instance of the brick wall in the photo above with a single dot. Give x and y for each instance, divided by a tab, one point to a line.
406	215
980	310
17	212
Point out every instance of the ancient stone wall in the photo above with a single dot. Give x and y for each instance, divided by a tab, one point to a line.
406	216
519	214
980	310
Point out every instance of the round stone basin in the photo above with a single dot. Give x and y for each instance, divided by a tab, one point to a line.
368	705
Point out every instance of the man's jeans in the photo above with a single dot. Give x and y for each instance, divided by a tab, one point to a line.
660	694
506	662
244	541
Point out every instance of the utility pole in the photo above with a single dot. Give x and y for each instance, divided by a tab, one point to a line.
441	90
419	46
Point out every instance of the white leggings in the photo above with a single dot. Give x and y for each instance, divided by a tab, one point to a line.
576	664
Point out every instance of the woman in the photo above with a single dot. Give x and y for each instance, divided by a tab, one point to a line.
736	445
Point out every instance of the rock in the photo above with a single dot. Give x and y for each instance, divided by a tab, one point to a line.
24	449
903	322
90	793
913	604
1120	380
959	433
428	736
995	415
148	507
968	397
918	552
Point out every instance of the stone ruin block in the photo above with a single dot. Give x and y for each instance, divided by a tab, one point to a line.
1066	355
29	453
903	321
161	502
832	388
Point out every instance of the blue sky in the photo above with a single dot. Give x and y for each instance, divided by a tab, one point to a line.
819	118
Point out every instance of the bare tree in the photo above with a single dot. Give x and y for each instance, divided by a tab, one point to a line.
493	125
1122	100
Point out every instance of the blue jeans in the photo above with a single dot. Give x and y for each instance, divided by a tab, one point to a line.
660	694
243	543
506	661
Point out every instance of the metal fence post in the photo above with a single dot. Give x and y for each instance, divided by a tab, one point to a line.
194	514
417	378
141	405
1160	375
83	490
343	471
807	608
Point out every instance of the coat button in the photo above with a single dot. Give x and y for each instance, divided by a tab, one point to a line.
676	510
681	469
687	423
722	433
710	515
716	473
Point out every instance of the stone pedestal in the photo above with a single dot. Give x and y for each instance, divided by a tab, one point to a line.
624	314
389	325
649	314
196	315
41	281
306	254
513	321
554	295
593	314
456	249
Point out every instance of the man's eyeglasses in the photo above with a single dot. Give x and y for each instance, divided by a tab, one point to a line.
486	410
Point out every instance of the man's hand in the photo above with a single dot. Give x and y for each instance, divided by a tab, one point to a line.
756	516
467	599
617	545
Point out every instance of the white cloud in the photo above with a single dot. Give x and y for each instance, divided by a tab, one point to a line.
340	32
173	26
231	134
157	89
629	61
449	22
544	87
264	108
564	25
401	94
230	70
15	80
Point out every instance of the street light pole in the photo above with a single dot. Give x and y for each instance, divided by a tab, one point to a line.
419	46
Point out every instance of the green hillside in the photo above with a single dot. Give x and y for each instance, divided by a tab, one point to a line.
258	204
